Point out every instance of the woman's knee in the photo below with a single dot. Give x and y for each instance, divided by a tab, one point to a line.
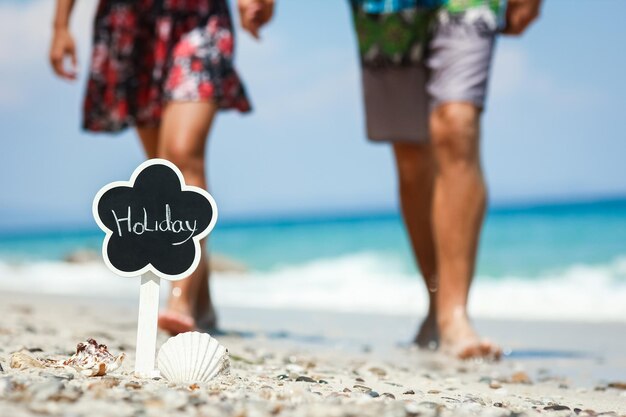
181	150
190	160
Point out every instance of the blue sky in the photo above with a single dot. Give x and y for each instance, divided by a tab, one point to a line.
554	127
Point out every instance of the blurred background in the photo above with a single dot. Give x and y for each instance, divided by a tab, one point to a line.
308	209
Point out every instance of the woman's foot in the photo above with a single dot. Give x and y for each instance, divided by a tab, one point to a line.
174	322
459	339
177	317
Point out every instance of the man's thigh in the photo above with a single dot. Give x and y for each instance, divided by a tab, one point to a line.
459	58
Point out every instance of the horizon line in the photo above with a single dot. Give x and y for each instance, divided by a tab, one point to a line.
345	215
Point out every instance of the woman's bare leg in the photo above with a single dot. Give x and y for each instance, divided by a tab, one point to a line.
149	139
182	140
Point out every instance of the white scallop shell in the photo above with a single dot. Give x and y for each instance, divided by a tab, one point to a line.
192	357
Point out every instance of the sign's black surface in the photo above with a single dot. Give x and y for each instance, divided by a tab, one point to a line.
154	222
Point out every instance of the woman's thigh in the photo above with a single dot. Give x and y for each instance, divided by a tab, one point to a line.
183	136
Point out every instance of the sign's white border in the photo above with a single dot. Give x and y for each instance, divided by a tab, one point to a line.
131	183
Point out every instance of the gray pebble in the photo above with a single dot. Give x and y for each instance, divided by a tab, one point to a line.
373	394
282	377
67	376
474	399
303	378
556	407
450	399
409	392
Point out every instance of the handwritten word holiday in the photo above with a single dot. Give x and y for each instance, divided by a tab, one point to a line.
165	225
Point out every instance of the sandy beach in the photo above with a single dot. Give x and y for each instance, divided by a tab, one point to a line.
317	364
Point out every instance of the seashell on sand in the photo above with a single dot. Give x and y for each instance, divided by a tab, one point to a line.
92	359
192	357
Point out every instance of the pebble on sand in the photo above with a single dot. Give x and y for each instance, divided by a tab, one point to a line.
556	407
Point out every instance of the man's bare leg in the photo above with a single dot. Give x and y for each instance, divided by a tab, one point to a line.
182	140
458	210
416	171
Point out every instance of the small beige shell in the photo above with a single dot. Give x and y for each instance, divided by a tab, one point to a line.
21	360
192	357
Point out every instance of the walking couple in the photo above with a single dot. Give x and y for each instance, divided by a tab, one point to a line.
165	68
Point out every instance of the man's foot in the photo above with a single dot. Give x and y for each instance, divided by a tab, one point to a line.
428	335
206	321
458	338
204	313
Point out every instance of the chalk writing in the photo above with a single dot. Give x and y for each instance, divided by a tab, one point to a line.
165	225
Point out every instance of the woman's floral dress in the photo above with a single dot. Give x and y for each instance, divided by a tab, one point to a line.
148	52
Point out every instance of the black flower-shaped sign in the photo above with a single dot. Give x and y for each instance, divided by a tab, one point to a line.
154	222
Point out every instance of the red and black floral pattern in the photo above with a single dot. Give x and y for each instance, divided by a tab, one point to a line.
148	52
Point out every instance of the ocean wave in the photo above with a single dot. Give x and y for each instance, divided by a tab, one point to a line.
361	282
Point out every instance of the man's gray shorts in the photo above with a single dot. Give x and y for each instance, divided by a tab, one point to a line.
398	100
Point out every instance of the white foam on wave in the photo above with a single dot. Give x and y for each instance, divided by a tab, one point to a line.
364	282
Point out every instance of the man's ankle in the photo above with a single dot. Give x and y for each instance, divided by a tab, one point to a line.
451	315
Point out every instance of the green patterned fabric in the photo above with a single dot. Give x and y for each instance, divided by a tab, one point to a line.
395	32
454	6
458	6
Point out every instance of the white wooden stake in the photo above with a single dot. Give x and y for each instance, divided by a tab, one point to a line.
147	326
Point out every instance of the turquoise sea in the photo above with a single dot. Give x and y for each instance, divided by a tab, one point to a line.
572	251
